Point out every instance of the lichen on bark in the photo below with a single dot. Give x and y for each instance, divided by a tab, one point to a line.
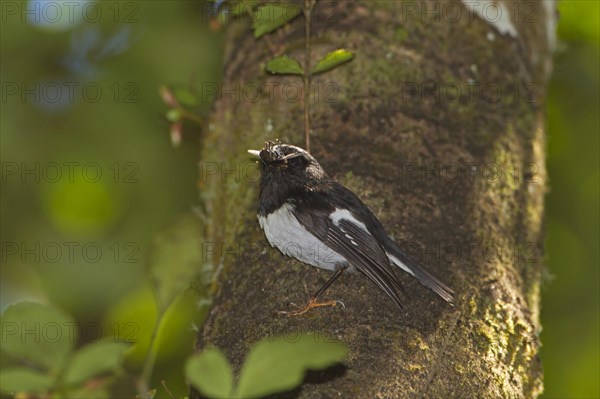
396	146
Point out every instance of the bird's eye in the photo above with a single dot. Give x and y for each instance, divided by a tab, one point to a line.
297	162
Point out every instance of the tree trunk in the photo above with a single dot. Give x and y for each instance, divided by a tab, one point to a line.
438	125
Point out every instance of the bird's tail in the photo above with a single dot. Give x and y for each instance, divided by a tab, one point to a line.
400	259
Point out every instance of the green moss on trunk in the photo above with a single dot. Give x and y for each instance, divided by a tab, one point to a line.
377	136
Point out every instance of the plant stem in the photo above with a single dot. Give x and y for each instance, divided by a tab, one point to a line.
308	5
150	360
193	117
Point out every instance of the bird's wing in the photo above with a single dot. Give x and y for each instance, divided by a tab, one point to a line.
347	199
348	236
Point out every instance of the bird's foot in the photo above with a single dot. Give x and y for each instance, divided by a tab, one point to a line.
311	304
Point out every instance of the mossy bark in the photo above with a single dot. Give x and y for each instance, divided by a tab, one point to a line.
455	173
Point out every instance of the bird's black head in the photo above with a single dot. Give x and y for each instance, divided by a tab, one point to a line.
287	171
288	162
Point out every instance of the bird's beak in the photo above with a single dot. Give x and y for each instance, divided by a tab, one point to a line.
256	153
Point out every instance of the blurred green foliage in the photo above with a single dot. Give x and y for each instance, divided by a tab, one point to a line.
89	175
571	293
47	353
89	179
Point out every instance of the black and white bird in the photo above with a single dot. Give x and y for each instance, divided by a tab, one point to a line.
313	218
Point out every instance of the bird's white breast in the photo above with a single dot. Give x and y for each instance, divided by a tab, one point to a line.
286	234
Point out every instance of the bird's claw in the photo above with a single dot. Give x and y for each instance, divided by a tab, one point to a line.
312	303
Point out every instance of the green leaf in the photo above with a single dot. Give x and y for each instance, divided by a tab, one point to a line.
284	65
37	333
93	360
332	60
269	17
210	373
24	380
277	365
175	259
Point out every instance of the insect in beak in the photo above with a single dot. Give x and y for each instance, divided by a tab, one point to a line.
290	156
